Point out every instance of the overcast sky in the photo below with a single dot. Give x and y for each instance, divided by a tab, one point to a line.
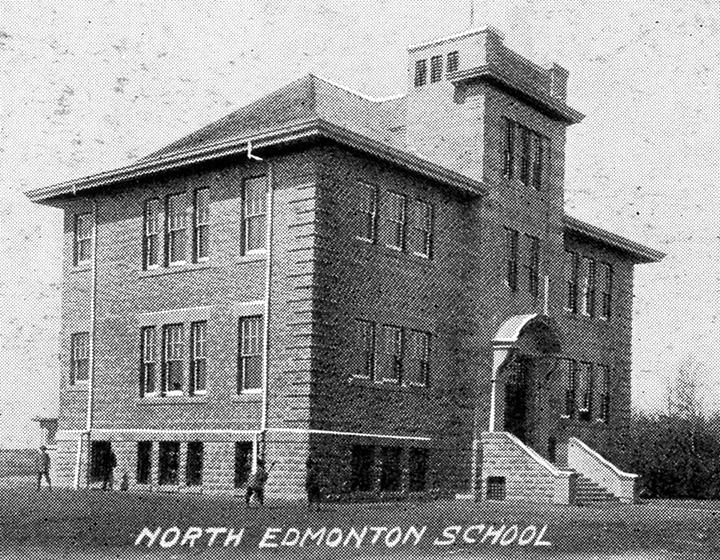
88	86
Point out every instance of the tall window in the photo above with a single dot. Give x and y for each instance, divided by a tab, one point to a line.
250	359
603	379
362	462
436	68
176	229
569	375
422	228
83	239
202	224
169	462
583	397
144	462
538	162
151	236
587	283
511	252
417	369
174	357
453	61
149	360
255	213
533	264
198	344
418	465
605	278
194	463
366	338
392	353
390	469
79	357
509	154
368	211
243	462
570	272
525	154
420	73
394	231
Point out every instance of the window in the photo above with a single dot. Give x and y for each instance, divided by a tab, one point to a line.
169	461
420	73
250	359
392	348
202	224
509	154
533	264
395	208
174	357
418	468
254	214
99	459
605	280
436	67
538	162
569	376
194	464
390	469
83	239
149	360
422	229
368	211
198	368
525	154
366	338
511	250
144	462
496	488
243	462
453	61
418	358
79	357
603	378
587	285
151	234
362	463
176	229
583	396
570	272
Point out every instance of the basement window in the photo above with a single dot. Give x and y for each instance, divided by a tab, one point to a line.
144	462
496	488
194	466
362	462
390	469
169	463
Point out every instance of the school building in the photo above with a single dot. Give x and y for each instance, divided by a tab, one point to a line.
389	286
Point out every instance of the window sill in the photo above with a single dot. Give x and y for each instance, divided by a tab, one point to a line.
250	258
77	268
171	400
174	269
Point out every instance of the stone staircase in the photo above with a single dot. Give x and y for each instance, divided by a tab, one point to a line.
588	492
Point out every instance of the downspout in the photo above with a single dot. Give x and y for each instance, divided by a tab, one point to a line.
91	358
268	286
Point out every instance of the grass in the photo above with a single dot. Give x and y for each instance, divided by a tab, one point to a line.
82	524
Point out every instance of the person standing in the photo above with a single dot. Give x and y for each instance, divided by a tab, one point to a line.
109	471
42	467
256	484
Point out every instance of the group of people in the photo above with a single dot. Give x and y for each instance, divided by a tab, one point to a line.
256	483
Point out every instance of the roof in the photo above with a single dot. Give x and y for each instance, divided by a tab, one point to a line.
639	253
308	108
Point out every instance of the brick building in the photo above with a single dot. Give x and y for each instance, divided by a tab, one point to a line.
389	286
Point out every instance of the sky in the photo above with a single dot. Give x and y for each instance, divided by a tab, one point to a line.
89	86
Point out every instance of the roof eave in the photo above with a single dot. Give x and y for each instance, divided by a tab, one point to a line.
283	135
545	103
641	254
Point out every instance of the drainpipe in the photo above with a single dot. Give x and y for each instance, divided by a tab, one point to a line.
91	357
268	287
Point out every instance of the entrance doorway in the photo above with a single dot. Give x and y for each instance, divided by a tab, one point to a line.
516	398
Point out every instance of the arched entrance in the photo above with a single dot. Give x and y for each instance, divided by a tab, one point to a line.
525	350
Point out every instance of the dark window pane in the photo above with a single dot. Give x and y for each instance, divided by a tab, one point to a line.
362	463
390	469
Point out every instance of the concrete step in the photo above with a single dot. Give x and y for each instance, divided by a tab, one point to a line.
589	491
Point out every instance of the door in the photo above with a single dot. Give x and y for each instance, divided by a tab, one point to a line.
516	399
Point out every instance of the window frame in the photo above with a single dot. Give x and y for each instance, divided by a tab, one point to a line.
152	233
422	232
370	212
170	358
392	361
243	357
452	62
570	386
176	235
571	275
194	463
418	355
145	363
79	356
198	355
143	471
584	395
532	266
168	457
420	72
391	468
83	239
510	147
603	376
395	226
366	337
587	285
257	211
436	69
512	242
201	224
606	271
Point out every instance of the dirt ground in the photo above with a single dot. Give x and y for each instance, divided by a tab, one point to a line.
92	524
